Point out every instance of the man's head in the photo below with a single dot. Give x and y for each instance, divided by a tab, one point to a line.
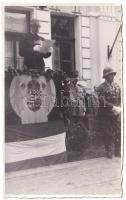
35	25
74	77
108	74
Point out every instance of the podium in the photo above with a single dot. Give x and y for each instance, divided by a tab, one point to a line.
30	97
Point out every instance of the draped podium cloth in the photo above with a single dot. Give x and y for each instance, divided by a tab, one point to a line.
34	142
34	145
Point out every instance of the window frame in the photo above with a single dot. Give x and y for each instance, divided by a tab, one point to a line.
27	13
15	36
67	40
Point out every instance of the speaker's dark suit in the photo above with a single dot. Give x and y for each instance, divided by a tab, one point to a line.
33	60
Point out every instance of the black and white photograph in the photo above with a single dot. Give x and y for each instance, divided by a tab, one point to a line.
63	100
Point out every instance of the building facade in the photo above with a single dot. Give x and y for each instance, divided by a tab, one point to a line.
82	35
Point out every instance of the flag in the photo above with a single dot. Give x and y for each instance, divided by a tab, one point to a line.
34	145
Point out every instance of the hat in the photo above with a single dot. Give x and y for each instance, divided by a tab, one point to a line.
107	71
74	74
35	22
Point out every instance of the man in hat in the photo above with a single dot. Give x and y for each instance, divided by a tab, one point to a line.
30	48
110	112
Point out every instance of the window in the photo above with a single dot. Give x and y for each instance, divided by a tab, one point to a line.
64	51
16	24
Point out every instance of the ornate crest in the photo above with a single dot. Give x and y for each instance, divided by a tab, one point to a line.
34	95
32	98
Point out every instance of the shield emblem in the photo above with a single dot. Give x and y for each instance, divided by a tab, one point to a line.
32	98
34	95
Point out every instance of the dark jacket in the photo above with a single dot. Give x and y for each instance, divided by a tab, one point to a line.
109	96
33	60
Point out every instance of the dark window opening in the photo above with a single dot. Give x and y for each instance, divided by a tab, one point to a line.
64	49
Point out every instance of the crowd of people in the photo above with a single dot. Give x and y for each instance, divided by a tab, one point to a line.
73	101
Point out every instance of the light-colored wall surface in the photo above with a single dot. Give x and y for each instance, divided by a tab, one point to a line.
107	33
78	49
45	30
95	66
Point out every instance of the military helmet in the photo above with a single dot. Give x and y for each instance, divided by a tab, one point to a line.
107	71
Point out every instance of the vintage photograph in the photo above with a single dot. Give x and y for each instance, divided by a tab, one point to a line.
63	100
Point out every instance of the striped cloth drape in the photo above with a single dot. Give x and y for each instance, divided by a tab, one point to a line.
34	145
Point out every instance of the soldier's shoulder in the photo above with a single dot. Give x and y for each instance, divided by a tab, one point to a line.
116	85
101	86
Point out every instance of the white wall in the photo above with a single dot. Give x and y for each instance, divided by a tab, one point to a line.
95	66
107	33
78	49
45	30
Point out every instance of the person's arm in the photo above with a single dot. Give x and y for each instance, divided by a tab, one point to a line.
104	103
117	109
50	50
72	96
119	94
46	55
102	100
101	96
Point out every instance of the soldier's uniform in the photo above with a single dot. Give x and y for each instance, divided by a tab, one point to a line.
76	132
65	96
110	96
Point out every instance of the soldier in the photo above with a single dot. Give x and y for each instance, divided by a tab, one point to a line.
110	113
76	132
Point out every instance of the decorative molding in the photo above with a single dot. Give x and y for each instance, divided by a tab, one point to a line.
85	37
44	33
83	15
85	47
20	8
43	21
88	58
55	9
85	26
107	18
62	14
84	68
